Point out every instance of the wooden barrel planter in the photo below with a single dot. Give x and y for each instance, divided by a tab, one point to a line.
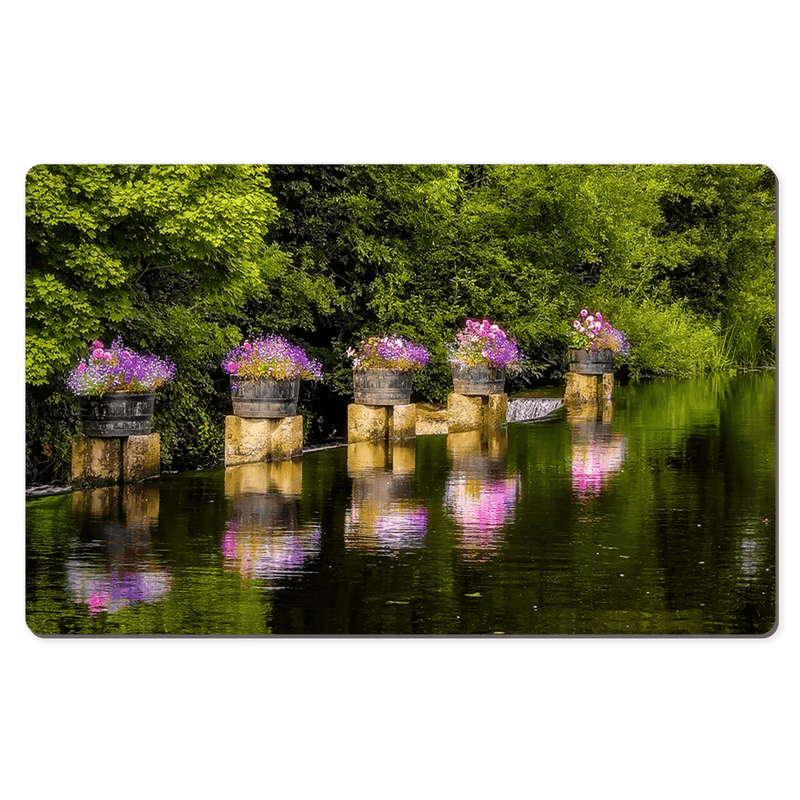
266	398
590	362
478	379
382	387
117	414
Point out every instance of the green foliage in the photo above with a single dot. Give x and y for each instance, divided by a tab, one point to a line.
717	247
185	261
168	257
667	339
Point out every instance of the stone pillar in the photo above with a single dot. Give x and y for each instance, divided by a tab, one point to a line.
286	438
430	419
101	461
464	413
403	422
580	389
249	441
588	388
367	423
96	461
495	410
607	388
141	457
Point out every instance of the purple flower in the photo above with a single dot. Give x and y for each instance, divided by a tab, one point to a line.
485	343
390	352
599	334
117	369
270	357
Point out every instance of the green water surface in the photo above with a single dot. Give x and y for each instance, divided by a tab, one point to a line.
653	515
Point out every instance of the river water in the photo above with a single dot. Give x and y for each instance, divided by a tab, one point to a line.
653	515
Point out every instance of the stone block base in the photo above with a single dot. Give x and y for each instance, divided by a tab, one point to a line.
430	420
249	441
403	422
141	457
588	388
104	461
495	410
473	413
464	413
96	462
367	423
376	423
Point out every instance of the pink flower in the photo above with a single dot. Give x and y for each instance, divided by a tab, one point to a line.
81	367
576	324
98	601
232	366
584	312
599	316
97	343
98	353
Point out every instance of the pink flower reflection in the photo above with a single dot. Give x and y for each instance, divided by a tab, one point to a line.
229	541
105	590
260	552
481	508
594	463
371	524
402	526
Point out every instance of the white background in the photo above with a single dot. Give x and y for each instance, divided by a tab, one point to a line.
312	82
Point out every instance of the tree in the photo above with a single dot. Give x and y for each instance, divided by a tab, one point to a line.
165	256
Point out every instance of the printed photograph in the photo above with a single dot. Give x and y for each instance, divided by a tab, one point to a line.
404	400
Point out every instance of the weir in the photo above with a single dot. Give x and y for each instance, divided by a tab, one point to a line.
521	409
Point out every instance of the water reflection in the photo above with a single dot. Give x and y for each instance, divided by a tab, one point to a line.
263	538
125	571
480	495
597	452
669	528
382	515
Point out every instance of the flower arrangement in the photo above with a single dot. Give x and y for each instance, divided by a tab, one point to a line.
269	357
118	369
592	332
485	343
389	352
